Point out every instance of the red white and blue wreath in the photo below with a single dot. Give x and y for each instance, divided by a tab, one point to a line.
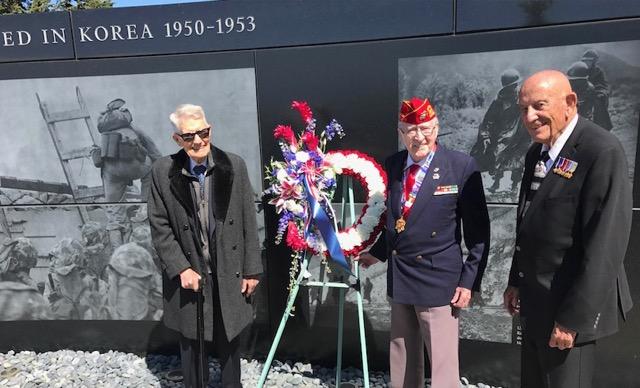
302	186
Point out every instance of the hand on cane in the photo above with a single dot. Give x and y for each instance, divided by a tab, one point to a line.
190	280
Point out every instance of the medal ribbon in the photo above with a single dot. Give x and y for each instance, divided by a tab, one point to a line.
407	203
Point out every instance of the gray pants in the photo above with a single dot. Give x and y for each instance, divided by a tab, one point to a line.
413	328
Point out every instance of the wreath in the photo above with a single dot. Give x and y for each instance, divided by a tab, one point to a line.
302	186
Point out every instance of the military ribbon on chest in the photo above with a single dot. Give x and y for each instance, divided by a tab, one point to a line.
445	190
408	201
565	167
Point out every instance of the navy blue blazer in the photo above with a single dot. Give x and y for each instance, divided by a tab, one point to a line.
425	261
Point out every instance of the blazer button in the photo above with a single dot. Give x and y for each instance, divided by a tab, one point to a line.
419	257
517	248
237	274
520	275
231	221
394	252
233	248
185	227
433	234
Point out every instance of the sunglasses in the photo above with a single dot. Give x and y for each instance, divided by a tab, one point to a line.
203	134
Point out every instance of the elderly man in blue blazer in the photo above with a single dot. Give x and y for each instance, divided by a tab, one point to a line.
435	196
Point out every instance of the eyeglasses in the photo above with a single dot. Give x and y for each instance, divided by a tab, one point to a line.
203	133
412	131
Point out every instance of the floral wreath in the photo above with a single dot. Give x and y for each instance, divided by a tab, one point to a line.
373	179
304	183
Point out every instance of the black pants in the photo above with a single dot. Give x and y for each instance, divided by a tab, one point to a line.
228	352
546	367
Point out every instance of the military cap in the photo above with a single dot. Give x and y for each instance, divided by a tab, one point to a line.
416	111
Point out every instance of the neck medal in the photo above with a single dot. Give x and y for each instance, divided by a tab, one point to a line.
407	203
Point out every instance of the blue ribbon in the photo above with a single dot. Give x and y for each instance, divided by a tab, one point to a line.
321	219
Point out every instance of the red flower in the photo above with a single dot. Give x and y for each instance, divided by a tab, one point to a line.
311	140
304	110
285	133
294	240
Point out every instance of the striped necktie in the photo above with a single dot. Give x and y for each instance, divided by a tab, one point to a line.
539	172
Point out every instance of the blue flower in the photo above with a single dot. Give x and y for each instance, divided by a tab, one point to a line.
317	159
283	222
330	183
288	155
333	129
311	126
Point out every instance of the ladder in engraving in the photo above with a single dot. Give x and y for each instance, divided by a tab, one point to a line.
67	155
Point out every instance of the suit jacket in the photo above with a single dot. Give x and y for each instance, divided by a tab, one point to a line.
572	239
425	260
174	229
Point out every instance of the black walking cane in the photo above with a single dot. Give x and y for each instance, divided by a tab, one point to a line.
202	364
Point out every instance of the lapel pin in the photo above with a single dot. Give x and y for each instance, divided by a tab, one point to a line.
436	169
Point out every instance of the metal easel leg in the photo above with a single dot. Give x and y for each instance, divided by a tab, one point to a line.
363	339
340	331
283	322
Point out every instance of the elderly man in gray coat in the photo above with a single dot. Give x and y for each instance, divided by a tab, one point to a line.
203	224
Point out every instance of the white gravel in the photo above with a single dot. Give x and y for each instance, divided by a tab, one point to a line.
78	369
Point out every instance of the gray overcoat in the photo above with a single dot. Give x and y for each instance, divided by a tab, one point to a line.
174	230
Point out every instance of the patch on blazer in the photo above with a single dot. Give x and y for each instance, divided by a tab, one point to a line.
565	167
444	190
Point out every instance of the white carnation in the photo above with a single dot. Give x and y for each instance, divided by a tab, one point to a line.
293	207
302	156
282	175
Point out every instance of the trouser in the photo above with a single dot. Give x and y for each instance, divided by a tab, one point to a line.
228	352
115	187
547	367
412	328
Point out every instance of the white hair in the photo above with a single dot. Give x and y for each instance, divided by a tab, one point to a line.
187	111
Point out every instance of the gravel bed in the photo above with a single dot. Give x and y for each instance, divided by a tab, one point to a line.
78	369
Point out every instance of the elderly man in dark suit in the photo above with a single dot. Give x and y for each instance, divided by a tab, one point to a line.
433	193
203	225
567	278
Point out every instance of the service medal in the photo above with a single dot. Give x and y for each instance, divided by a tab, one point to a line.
400	224
565	167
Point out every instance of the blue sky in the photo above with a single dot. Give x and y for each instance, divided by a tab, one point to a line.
133	3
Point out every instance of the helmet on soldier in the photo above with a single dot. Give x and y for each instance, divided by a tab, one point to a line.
93	233
21	250
66	255
591	55
509	77
578	70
